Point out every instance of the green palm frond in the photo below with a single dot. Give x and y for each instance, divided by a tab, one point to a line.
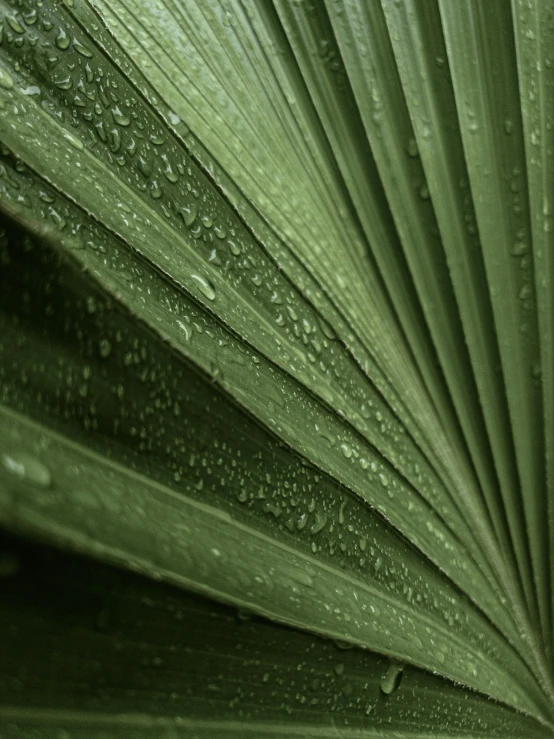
276	371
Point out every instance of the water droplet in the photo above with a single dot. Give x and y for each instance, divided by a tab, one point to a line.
62	40
296	574
344	645
170	174
392	678
27	468
119	117
326	328
155	190
14	24
526	292
319	523
31	17
64	84
74	141
234	248
188	213
82	50
105	348
205	286
346	450
6	80
519	249
424	192
412	148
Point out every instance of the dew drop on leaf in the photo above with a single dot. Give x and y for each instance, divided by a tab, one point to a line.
205	286
27	468
392	678
188	213
6	80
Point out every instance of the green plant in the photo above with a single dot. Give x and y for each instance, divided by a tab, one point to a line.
276	368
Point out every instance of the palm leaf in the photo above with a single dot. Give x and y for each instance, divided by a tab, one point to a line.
276	331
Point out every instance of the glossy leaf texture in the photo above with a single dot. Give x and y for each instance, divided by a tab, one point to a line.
275	330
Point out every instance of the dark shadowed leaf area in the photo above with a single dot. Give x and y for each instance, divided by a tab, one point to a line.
276	369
